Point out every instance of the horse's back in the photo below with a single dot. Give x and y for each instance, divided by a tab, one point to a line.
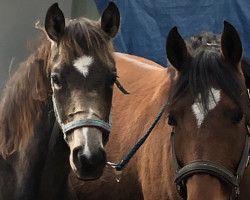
144	78
148	84
132	68
123	58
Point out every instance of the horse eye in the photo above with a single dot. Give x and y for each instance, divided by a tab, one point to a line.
172	121
238	116
55	80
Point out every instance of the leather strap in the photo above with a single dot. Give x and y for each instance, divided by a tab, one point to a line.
87	123
206	167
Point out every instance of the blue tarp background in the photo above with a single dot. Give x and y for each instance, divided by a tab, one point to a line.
146	23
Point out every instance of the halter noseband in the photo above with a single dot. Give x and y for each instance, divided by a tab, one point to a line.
211	168
96	123
87	123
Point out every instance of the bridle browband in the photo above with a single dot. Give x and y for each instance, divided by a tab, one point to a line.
211	168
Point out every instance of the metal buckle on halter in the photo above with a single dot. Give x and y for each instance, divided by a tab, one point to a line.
182	190
112	165
248	135
248	130
237	192
248	159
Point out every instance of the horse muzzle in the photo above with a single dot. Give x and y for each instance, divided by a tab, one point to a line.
88	167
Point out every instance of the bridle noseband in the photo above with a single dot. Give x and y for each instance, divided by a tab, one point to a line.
211	168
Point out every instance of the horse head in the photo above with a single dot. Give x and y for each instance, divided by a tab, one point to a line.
82	75
209	111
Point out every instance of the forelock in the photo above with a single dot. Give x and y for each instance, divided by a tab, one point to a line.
85	37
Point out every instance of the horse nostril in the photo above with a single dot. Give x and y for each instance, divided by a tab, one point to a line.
94	160
83	160
102	154
88	162
105	138
100	157
76	152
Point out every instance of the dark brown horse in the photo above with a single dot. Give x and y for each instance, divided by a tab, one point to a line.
71	72
199	147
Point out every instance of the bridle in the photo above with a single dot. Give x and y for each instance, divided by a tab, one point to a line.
211	168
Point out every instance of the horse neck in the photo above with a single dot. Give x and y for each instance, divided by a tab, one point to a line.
44	164
8	180
29	163
54	180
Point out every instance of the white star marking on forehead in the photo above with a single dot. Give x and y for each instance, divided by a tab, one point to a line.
82	64
199	112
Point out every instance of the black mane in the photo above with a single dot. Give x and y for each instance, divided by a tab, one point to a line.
208	66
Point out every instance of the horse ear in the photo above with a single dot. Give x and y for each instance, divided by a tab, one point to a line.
54	23
176	48
110	20
231	46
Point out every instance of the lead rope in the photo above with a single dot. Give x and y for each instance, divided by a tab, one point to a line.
120	165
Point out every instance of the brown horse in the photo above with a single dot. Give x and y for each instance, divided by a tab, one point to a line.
199	148
72	71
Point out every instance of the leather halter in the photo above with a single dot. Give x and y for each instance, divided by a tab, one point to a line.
211	168
96	123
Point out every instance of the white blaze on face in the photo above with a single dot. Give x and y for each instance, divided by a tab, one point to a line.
86	151
82	64
199	112
81	137
85	134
